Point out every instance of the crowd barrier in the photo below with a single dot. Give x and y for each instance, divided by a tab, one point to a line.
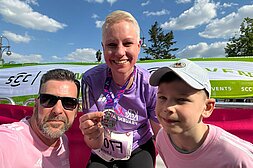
237	121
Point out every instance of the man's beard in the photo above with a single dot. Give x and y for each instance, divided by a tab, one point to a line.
46	128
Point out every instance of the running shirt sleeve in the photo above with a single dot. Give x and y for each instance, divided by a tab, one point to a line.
92	87
150	95
87	96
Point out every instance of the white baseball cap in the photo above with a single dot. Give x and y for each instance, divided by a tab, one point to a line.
190	72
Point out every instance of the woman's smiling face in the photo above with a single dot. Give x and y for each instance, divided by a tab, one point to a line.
121	46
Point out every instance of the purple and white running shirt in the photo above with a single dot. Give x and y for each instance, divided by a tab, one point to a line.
134	109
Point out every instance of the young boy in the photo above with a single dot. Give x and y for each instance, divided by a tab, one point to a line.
183	100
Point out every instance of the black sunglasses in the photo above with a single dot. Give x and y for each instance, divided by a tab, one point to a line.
48	101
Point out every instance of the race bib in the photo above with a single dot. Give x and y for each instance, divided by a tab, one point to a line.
117	146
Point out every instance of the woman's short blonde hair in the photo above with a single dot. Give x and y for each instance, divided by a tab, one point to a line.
118	16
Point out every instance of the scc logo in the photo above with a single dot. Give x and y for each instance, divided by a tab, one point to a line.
21	77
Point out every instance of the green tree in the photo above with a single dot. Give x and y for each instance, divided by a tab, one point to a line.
160	43
242	45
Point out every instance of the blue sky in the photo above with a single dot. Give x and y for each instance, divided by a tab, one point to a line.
70	30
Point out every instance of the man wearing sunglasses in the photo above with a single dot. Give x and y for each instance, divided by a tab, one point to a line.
39	141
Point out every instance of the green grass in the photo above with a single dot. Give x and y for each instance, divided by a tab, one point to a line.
20	100
35	64
247	59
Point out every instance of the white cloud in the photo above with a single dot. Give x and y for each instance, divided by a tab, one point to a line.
18	58
227	26
56	58
99	23
157	13
96	1
223	12
71	43
17	38
33	2
20	13
203	50
111	1
201	13
182	1
226	5
145	3
101	1
82	55
94	16
79	55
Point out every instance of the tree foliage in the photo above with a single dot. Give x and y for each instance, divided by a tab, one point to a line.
160	43
242	45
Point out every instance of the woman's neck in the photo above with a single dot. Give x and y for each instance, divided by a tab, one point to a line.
121	78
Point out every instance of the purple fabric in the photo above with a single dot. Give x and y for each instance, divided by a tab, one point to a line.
135	108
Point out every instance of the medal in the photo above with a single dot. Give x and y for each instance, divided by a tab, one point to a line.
109	119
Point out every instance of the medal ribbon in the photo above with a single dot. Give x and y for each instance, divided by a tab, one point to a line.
111	101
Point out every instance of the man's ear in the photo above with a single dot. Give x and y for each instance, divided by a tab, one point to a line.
35	107
209	107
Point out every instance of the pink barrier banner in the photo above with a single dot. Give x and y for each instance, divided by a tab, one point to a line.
235	120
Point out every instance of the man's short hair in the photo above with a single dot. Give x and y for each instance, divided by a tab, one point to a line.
60	75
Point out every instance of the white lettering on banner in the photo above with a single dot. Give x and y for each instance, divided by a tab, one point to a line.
246	89
231	71
226	88
22	81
